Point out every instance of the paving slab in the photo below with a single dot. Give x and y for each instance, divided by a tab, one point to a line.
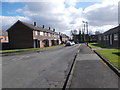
91	72
87	57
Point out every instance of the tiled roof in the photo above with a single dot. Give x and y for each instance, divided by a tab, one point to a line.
37	28
112	30
31	26
64	36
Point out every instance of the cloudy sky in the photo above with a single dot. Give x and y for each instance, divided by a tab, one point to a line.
63	15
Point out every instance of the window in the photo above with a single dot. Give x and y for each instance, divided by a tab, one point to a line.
5	38
49	34
99	37
56	36
116	36
107	37
104	37
44	34
41	33
36	33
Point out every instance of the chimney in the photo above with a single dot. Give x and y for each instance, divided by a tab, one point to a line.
59	33
49	28
34	23
53	30
43	26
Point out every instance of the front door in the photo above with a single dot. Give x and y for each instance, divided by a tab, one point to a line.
35	43
110	39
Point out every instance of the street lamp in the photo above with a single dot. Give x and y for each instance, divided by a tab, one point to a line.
87	31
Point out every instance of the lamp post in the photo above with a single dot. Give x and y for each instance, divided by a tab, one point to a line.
87	31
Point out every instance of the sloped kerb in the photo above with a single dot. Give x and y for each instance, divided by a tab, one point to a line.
108	63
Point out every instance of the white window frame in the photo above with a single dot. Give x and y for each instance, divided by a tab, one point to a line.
107	37
41	33
36	32
115	36
49	34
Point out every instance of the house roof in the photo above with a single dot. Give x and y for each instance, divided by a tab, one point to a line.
3	33
64	36
112	30
31	26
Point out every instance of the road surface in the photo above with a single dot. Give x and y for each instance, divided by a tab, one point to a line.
47	69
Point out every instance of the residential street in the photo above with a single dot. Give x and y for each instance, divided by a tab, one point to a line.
47	69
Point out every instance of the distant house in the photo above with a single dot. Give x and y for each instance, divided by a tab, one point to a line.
24	35
64	38
3	36
93	38
110	37
4	42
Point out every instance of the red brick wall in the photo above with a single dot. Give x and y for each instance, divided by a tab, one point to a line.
4	39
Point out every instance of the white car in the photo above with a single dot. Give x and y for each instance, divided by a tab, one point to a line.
70	43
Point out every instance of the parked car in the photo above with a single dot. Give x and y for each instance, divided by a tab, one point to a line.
70	43
73	43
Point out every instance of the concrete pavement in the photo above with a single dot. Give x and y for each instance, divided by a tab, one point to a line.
91	72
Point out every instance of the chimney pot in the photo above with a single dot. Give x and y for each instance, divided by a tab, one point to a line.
53	30
49	28
43	26
34	23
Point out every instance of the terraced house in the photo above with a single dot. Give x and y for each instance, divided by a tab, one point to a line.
110	37
3	36
24	35
4	41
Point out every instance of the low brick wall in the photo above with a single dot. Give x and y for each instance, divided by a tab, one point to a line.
4	46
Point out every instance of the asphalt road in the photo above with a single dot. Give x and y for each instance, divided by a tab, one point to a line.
47	69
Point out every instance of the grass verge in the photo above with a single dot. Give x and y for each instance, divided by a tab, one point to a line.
113	55
20	50
96	45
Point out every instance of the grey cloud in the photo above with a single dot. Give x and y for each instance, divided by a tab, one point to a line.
103	16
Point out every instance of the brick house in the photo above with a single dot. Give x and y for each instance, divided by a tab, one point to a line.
24	35
4	42
93	38
3	36
110	37
64	38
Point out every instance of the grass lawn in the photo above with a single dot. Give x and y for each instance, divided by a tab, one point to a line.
113	55
96	45
19	50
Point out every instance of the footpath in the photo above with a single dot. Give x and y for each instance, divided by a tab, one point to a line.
91	72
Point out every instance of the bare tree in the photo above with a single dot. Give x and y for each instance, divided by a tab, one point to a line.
97	32
73	32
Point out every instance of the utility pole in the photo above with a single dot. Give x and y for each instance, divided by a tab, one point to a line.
84	34
87	36
87	33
